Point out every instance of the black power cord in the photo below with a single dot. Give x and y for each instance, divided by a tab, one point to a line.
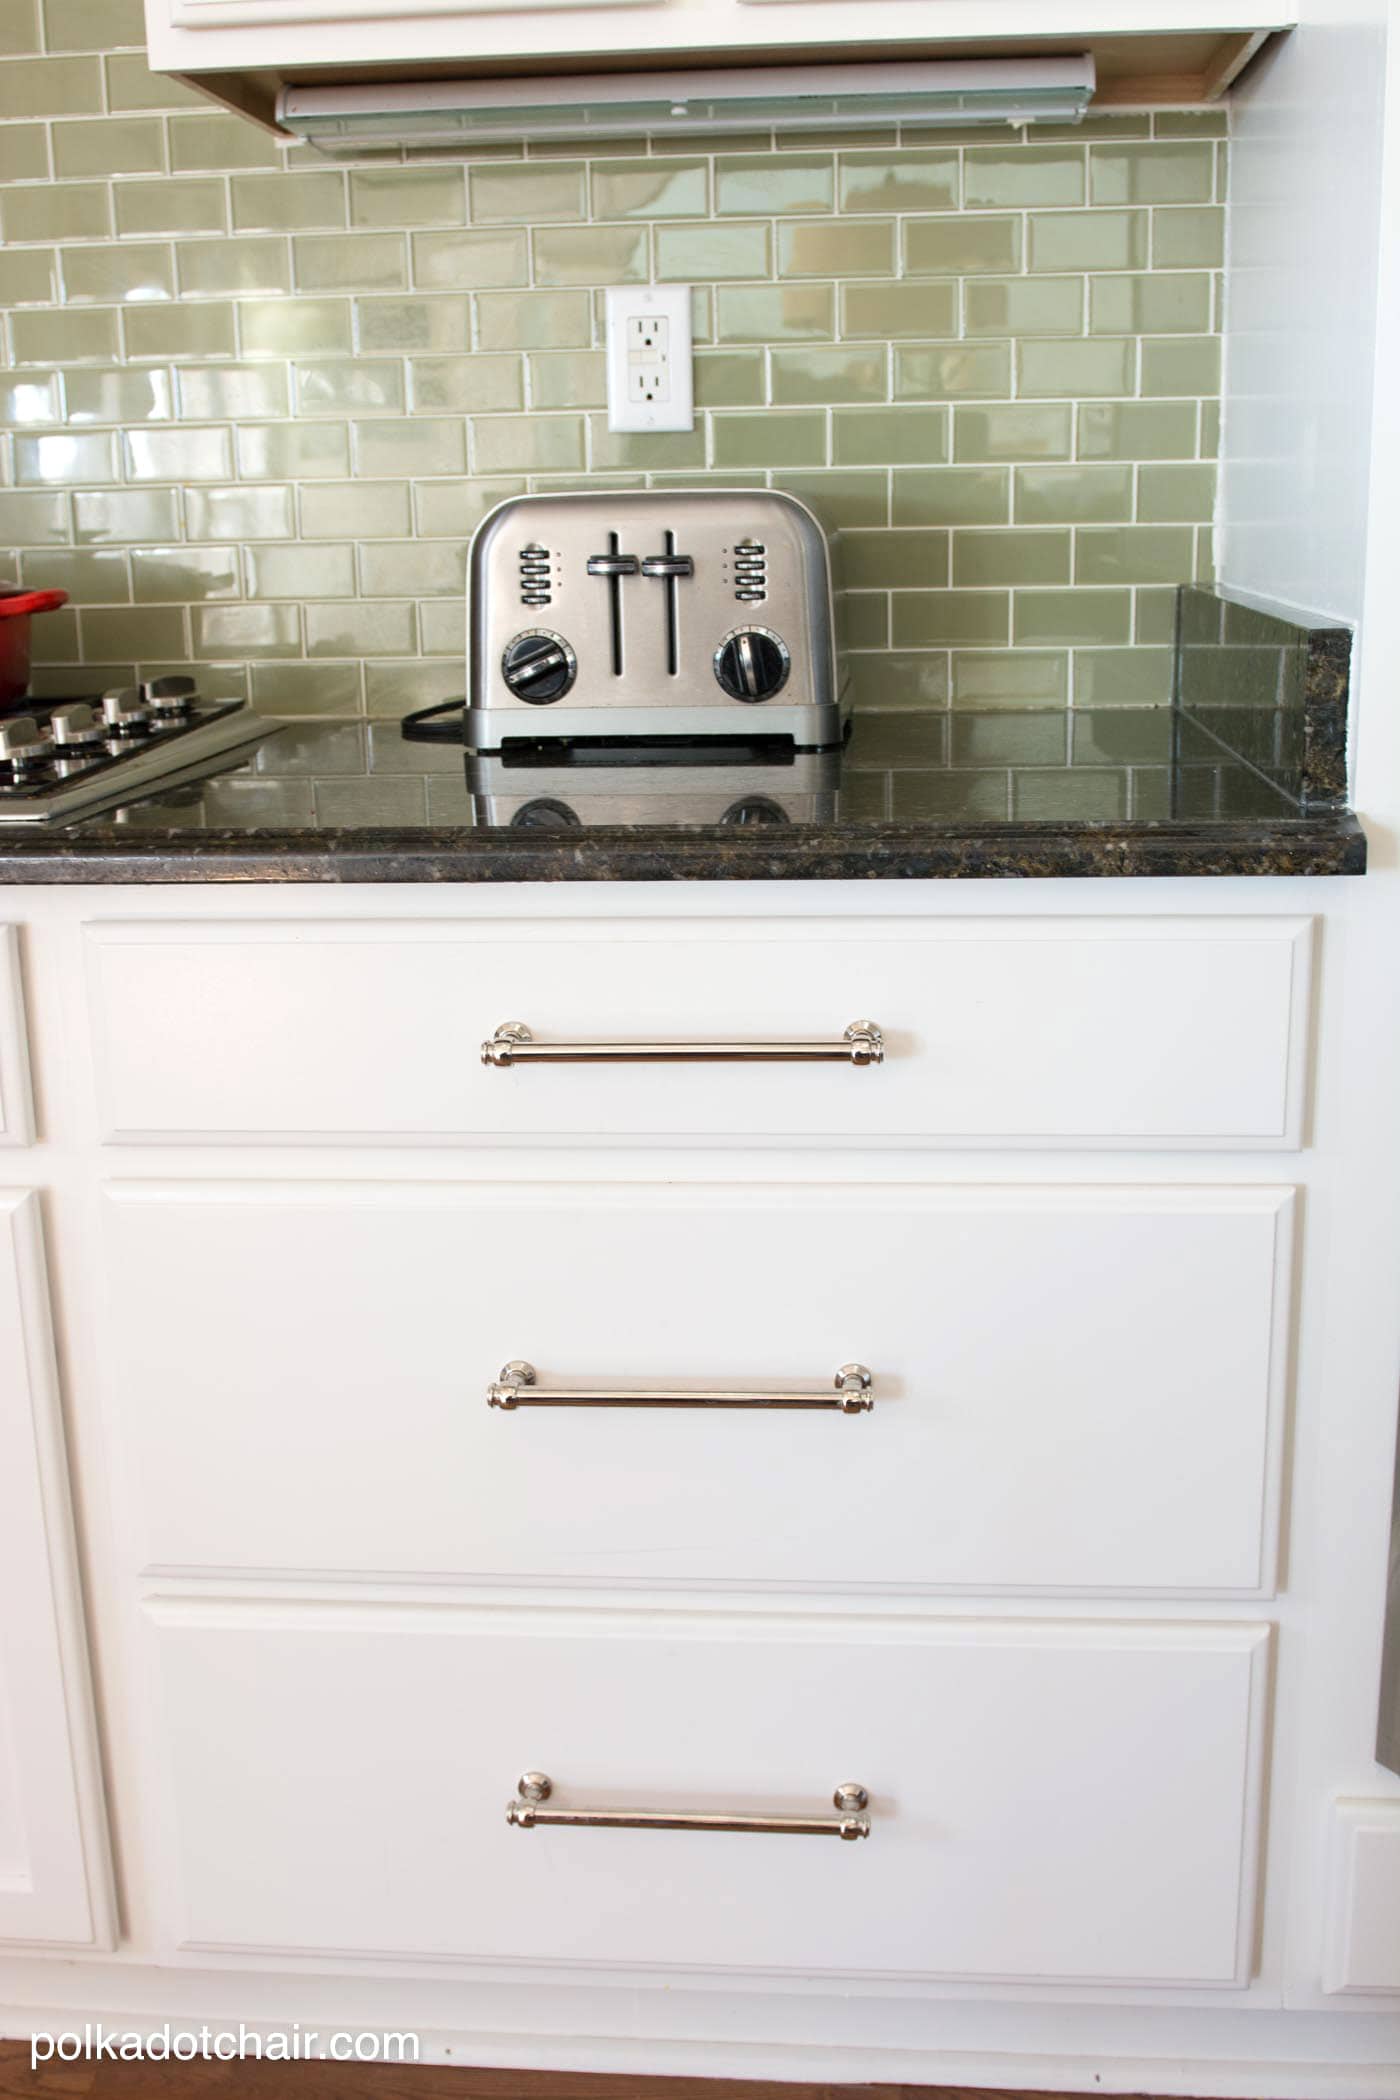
427	726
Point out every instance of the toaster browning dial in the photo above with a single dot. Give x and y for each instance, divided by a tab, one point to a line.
752	663
538	665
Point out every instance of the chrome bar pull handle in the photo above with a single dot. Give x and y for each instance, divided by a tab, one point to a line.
513	1044
848	1394
533	1789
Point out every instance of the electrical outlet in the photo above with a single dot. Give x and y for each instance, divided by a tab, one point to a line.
649	358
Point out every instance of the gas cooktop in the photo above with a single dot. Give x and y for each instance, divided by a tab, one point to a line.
60	757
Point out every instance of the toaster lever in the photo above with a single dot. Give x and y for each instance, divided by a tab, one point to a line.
668	565
613	565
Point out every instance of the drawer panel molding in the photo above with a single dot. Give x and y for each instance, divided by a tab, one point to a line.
16	1097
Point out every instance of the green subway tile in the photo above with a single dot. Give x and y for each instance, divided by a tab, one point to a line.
839	500
411	445
764	182
1013	306
305	572
994	678
1009	175
837	248
1191	123
910	680
33	518
621	451
440	630
729	378
534	321
177	452
56	639
788	438
1154	615
962	246
28	276
990	556
1181	365
1178	301
338	388
527	444
775	313
84	337
181	575
894	561
64	458
867	618
70	211
899	309
240	514
1176	495
438	326
951	496
414	570
1135	554
287	202
1073	495
132	85
50	87
24	153
89	577
120	397
1188	238
951	371
19	29
384	628
106	517
482	259
393	688
1059	368
141	633
247	630
1011	431
240	266
399	197
629	189
1122	677
830	375
476	385
172	205
930	619
525	194
29	397
232	390
1137	430
692	252
296	327
296	689
894	181
347	262
216	141
101	276
1064	619
118	146
1181	173
1088	240
312	451
339	510
454	509
590	254
1210	429
900	436
1069	792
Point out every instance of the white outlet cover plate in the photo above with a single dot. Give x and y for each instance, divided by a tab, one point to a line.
630	302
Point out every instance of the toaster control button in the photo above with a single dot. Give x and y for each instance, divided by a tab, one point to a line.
613	565
668	565
752	664
538	666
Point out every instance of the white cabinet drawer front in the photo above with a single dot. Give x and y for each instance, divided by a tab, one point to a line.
274	14
1058	1802
1063	1032
1077	1389
16	1113
1362	1949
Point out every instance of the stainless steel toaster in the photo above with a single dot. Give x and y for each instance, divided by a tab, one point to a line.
675	614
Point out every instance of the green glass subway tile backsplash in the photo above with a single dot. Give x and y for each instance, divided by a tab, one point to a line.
253	407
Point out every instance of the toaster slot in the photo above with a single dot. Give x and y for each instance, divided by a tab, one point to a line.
613	566
669	567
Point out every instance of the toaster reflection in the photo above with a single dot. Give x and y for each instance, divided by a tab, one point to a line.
705	784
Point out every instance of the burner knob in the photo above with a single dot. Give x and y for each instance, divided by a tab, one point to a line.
169	698
21	742
75	726
538	666
752	664
755	809
124	711
544	814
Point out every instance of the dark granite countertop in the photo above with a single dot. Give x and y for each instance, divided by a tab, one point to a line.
1107	791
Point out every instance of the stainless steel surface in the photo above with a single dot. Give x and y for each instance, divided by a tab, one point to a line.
862	1043
170	696
849	1394
534	1789
125	710
20	741
729	787
648	592
79	760
76	727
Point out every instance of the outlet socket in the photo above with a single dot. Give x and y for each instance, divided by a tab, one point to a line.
650	379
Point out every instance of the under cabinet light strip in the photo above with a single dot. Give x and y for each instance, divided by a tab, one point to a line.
788	98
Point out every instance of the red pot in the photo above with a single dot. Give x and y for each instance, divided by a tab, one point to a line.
15	608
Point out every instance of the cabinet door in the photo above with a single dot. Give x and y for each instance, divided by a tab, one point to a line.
272	14
54	1876
16	1116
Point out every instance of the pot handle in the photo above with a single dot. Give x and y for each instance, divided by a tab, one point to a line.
15	602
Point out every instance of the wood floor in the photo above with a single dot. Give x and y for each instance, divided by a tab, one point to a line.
323	2081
